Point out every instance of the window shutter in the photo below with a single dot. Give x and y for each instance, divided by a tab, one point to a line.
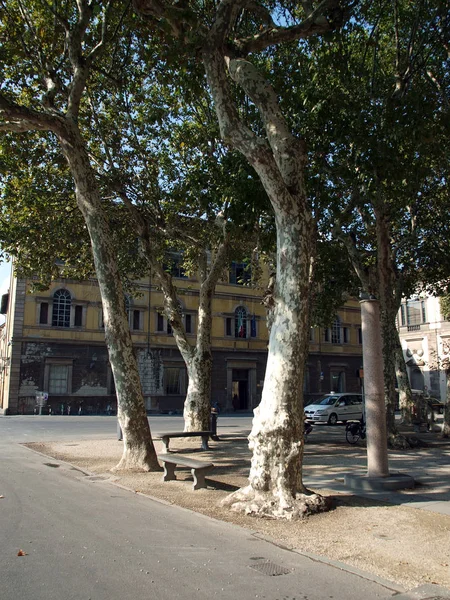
78	319
43	313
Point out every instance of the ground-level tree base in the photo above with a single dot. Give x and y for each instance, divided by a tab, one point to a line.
398	441
138	460
267	505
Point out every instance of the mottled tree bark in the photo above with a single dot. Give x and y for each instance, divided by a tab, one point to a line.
197	355
389	304
279	158
275	481
139	452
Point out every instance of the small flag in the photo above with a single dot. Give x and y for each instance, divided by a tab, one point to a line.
240	325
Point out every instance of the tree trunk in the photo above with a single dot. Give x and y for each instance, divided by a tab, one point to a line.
197	406
446	424
404	387
275	481
139	452
389	304
198	358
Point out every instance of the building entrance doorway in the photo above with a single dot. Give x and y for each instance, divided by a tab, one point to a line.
240	389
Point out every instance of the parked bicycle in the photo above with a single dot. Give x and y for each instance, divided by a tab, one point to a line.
354	431
307	430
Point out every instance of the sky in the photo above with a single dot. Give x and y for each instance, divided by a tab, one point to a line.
5	270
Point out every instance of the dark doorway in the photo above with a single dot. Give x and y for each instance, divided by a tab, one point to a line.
240	389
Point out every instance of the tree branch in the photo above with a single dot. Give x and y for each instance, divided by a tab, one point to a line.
328	16
289	152
20	118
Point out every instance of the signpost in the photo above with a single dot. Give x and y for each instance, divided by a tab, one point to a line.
41	400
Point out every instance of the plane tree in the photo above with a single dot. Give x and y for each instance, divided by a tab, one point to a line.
165	181
374	108
50	53
165	163
235	42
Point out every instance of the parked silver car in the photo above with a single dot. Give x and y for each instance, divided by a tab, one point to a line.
335	407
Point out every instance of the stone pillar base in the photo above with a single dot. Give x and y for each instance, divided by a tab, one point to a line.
394	481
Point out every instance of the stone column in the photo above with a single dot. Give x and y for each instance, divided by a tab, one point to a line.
375	413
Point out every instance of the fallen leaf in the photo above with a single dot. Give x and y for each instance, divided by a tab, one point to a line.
2	496
21	553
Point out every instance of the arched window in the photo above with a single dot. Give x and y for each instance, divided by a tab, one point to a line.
240	322
62	302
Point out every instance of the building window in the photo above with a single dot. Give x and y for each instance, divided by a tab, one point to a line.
403	314
58	376
136	320
62	302
240	322
174	267
415	312
336	332
240	273
359	335
188	323
43	313
174	380
159	322
58	381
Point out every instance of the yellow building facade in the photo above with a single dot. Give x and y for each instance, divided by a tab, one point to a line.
53	353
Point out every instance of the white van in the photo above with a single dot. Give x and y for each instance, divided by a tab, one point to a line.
335	407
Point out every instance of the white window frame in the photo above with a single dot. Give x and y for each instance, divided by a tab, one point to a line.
55	362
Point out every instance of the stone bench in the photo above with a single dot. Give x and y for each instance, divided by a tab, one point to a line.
198	468
205	435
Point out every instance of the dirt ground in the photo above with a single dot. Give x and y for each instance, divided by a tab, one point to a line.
404	545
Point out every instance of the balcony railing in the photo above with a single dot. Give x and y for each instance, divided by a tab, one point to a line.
413	327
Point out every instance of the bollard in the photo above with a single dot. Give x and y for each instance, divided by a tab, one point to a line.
214	416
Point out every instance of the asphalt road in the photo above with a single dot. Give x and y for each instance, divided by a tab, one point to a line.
85	538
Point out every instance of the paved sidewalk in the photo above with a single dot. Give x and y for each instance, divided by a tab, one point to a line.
429	466
367	533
